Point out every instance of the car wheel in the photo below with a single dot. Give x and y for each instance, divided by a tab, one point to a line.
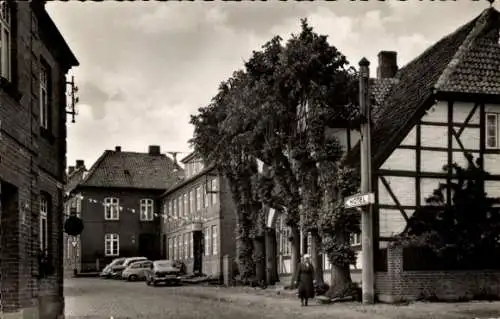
132	278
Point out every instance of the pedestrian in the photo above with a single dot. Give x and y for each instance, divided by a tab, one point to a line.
305	280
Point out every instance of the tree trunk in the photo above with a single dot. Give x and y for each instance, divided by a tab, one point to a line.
244	244
271	267
295	253
340	282
260	259
316	257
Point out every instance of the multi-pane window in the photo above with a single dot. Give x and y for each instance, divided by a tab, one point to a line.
44	224
78	200
181	206
175	211
146	209
186	204
186	246
5	40
214	240
491	130
206	241
198	198
44	96
355	239
214	191
111	245
111	208
190	238
192	200
174	253
205	196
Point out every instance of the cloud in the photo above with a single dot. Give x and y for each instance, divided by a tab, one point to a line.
146	66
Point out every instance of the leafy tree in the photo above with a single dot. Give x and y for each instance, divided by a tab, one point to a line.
465	231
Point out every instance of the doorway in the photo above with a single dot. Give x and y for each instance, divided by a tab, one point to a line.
148	246
197	251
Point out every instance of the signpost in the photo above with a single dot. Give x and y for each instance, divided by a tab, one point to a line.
359	200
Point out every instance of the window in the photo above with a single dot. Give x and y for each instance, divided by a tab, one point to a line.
146	209
170	208
186	246
191	253
44	96
5	40
198	198
44	224
491	130
205	197
192	202
207	241
174	204
170	248
174	253
111	209
78	205
213	188
215	244
186	203
355	239
181	206
111	245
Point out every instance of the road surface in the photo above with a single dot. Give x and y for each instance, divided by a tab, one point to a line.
94	298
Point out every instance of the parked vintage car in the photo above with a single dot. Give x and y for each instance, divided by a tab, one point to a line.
107	271
137	270
116	271
163	271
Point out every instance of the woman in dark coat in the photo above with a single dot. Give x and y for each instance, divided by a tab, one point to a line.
305	279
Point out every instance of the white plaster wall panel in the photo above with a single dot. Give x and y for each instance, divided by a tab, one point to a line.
492	163
434	136
401	159
462	109
402	187
437	113
459	158
355	136
469	138
433	161
411	138
392	221
494	108
287	266
427	187
492	188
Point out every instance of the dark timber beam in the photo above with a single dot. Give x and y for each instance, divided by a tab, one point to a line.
394	198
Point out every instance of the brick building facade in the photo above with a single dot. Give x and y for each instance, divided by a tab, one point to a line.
34	61
199	228
117	201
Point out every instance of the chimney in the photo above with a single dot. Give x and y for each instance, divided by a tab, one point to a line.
71	169
80	164
154	150
387	64
118	148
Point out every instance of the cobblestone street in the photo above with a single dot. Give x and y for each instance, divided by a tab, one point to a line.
96	298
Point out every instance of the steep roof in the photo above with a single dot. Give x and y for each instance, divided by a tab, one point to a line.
120	169
467	60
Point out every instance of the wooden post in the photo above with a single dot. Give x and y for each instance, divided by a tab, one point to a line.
368	273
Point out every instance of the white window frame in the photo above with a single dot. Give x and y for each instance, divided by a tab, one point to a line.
192	202
213	189
181	205
44	96
355	239
495	116
147	210
206	243
186	203
111	244
215	245
44	223
198	198
111	208
5	40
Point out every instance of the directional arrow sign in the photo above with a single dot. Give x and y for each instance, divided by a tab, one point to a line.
359	200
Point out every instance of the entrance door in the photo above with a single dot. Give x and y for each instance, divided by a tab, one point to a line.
147	246
197	251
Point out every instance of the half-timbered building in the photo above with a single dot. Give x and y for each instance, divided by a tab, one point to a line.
439	107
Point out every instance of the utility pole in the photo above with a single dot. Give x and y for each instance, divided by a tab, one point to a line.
368	272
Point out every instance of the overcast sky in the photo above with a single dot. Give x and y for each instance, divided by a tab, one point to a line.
146	66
